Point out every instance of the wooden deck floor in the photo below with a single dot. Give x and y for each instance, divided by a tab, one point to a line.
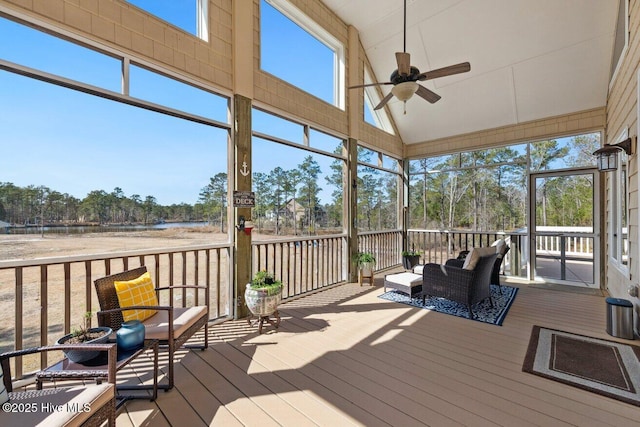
345	357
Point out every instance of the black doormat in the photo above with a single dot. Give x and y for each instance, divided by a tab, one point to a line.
605	367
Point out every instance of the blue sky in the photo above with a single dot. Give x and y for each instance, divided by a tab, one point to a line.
75	143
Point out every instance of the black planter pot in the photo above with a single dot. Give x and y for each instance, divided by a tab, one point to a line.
410	261
80	356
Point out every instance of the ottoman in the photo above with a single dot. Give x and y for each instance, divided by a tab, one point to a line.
408	283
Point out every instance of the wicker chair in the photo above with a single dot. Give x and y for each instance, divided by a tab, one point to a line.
456	284
495	273
172	326
70	402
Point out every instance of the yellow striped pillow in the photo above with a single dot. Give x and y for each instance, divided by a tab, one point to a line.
138	291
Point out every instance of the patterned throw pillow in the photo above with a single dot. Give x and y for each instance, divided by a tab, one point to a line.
4	396
138	291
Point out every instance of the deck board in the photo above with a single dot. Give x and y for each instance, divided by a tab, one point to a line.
346	357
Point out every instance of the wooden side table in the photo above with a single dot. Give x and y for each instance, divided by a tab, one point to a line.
362	276
96	369
261	320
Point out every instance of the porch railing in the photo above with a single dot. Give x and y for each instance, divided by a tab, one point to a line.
386	246
438	246
306	264
44	299
302	264
571	244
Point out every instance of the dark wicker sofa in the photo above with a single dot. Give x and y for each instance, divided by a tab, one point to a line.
454	283
495	273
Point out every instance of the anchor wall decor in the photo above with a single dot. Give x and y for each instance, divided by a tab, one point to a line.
245	169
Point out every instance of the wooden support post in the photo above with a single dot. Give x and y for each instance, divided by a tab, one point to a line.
243	169
351	207
243	85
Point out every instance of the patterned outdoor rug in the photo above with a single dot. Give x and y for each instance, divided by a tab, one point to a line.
483	312
605	367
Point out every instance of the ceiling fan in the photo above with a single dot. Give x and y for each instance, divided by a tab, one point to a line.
404	79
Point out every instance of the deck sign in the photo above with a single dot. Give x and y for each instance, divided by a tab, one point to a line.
244	199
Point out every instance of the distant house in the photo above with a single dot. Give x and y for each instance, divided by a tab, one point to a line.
293	206
4	226
287	210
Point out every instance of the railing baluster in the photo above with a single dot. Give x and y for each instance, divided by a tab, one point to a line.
170	274
305	279
301	267
295	266
44	314
256	260
324	269
290	279
266	257
314	264
281	257
196	266
324	261
88	285
218	280
19	295
67	297
184	278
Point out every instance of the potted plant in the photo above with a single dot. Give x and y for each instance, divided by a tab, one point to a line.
410	259
84	334
263	294
366	263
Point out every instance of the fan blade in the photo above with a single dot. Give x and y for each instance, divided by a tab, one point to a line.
370	84
404	63
446	71
384	101
430	96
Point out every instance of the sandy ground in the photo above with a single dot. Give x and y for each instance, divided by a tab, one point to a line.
30	246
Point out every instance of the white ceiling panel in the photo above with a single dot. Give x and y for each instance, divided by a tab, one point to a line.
573	79
530	59
392	26
508	32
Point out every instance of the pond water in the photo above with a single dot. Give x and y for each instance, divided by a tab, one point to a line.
80	229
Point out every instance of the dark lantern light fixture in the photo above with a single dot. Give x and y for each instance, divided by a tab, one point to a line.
607	156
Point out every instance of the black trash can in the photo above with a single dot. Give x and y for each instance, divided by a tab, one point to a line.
620	318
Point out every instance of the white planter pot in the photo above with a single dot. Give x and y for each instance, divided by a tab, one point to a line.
367	269
260	302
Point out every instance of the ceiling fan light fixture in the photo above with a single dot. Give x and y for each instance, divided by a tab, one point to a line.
405	90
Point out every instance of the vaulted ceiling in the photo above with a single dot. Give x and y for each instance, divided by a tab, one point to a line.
530	59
